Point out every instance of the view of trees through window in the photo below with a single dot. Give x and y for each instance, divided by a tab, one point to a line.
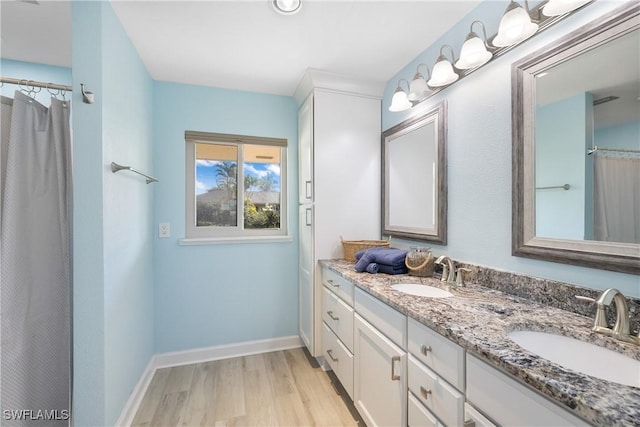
217	192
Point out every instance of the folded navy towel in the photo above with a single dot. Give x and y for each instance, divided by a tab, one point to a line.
373	268
386	256
387	269
363	262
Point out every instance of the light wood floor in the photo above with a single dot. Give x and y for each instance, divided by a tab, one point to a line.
281	388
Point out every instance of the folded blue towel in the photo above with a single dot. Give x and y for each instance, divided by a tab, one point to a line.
387	269
386	256
373	268
363	262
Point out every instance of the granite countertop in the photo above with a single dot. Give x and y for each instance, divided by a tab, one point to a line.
479	318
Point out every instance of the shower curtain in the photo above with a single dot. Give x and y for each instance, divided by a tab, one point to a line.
617	198
35	269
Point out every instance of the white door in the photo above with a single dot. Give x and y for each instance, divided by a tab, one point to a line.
380	380
305	276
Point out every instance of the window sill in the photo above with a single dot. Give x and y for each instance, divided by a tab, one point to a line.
228	240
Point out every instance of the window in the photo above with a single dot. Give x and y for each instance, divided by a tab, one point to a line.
217	206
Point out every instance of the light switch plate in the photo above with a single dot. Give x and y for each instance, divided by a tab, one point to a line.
164	230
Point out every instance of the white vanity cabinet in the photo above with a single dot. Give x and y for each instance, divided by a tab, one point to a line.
380	362
508	402
337	327
436	374
339	157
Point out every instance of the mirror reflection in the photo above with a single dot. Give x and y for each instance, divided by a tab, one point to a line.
587	145
413	178
576	143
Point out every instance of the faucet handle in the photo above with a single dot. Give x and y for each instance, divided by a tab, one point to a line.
583	298
460	277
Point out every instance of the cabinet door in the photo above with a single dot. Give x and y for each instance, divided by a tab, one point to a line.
380	380
305	276
305	151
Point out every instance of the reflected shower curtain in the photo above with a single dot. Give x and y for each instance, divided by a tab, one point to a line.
616	184
35	293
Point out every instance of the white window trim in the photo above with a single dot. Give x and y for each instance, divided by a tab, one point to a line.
216	235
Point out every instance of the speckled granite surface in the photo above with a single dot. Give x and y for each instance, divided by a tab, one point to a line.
478	318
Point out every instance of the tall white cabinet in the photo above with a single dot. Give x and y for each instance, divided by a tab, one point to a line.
339	181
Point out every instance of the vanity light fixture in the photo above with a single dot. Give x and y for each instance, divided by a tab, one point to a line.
560	7
474	51
443	73
287	7
400	102
419	90
515	26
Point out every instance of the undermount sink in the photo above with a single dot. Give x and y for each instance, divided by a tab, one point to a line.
580	356
421	290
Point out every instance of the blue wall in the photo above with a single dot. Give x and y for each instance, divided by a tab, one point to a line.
113	263
479	153
225	293
561	131
625	135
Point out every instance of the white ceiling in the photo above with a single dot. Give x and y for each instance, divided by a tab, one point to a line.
245	44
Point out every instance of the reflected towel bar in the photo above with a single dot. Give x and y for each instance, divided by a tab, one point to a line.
565	187
117	168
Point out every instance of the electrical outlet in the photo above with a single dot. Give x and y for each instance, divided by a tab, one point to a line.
164	230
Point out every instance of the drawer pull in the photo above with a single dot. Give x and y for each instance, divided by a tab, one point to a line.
330	353
425	392
331	282
424	349
330	313
394	377
469	423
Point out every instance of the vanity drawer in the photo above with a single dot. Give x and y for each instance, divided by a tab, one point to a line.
418	415
508	402
472	415
338	316
444	357
339	358
390	322
435	393
339	285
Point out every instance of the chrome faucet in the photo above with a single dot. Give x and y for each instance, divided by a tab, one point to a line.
622	328
448	269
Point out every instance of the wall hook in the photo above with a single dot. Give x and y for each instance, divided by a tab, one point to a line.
87	96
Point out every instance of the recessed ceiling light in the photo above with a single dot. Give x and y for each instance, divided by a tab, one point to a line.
286	7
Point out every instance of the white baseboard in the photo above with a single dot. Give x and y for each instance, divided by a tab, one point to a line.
198	355
135	398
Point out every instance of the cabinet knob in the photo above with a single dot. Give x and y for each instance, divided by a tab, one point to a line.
425	392
330	353
469	423
331	315
424	349
332	283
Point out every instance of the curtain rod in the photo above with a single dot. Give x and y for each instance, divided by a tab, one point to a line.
619	150
33	83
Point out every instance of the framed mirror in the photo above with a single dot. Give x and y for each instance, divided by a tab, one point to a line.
414	177
576	147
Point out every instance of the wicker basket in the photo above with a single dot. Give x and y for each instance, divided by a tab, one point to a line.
352	246
420	263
